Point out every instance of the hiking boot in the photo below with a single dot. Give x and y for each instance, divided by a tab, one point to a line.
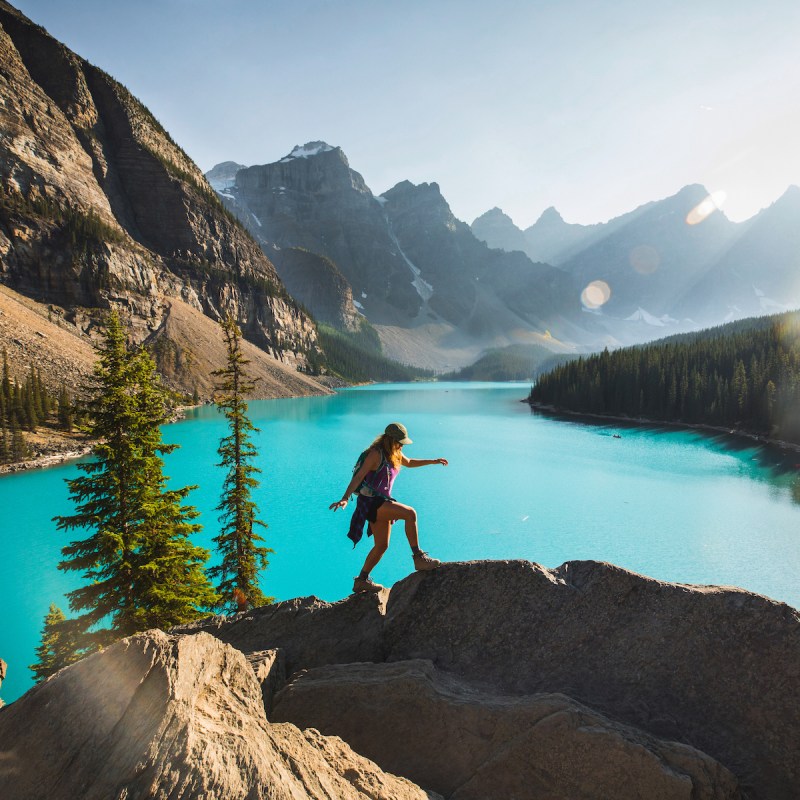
422	562
365	585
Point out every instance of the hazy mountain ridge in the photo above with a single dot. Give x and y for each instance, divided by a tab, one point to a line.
662	268
100	207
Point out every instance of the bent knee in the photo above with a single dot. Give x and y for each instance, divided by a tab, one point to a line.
410	514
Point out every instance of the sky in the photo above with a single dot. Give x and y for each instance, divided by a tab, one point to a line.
593	107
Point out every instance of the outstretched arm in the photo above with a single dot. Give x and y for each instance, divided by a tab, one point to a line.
423	462
371	462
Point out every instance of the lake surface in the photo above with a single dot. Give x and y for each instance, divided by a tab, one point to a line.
674	504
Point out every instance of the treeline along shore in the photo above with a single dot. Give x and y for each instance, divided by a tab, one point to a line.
744	376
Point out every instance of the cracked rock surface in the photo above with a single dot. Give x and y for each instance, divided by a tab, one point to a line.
165	716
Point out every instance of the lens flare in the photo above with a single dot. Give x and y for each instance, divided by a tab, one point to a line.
596	294
645	259
703	210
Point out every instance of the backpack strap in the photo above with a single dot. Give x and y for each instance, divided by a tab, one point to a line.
365	483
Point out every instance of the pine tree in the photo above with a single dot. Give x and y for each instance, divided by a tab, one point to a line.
140	570
59	646
238	543
5	386
65	410
19	447
29	403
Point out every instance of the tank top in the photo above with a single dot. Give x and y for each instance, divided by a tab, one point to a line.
379	482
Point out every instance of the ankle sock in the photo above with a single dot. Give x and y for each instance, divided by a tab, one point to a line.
415	551
363	576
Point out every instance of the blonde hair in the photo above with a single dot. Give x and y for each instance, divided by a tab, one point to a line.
391	449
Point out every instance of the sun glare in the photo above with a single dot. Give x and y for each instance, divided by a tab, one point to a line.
706	208
596	294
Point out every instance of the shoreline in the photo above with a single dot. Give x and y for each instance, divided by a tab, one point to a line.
57	456
641	422
46	460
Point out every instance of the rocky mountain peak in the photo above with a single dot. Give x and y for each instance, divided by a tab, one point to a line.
550	215
493	216
309	150
790	199
498	230
223	176
426	196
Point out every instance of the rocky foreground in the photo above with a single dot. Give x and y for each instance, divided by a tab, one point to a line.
479	680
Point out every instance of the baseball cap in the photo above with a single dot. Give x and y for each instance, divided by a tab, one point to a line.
398	432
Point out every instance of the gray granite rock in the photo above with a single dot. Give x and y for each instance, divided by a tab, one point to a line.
441	732
716	668
158	716
309	631
270	670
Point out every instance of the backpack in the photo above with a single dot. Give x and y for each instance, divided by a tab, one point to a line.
360	463
361	459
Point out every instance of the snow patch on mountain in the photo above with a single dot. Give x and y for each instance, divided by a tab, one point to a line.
424	289
640	315
307	151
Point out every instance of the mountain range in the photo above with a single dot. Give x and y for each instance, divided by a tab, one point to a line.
99	207
437	295
665	262
439	291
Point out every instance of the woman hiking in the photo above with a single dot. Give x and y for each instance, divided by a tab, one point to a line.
373	477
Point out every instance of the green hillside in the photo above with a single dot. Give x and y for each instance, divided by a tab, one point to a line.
517	362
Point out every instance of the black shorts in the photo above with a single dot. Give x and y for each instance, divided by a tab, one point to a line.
374	504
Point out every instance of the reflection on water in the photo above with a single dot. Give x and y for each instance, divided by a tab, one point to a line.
775	465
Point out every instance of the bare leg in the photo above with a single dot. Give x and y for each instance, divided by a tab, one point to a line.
381	531
389	512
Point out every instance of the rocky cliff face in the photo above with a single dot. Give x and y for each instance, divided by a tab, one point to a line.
322	287
410	264
313	200
99	207
467	278
501	679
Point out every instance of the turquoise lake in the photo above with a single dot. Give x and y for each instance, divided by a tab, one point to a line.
674	504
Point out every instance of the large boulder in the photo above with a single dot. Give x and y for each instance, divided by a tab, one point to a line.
716	668
711	667
160	716
309	631
468	744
